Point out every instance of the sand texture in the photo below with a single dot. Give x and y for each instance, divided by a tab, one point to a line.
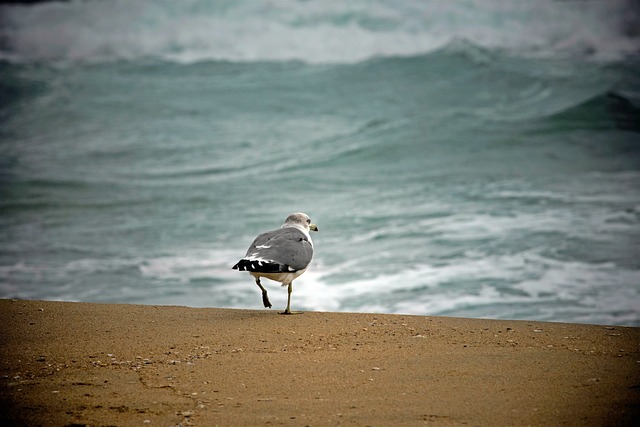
69	364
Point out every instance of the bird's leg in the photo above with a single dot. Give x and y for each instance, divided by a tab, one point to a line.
265	297
289	290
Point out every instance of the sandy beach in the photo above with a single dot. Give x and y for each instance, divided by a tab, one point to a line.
69	364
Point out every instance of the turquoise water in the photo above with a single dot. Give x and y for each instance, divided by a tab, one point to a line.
476	159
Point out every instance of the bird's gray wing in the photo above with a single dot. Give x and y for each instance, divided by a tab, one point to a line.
282	250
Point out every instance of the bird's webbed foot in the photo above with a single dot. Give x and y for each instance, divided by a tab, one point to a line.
265	300
289	312
265	297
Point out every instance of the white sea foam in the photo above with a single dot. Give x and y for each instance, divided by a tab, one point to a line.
190	266
316	32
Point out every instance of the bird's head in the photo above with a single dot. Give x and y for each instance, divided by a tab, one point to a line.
300	220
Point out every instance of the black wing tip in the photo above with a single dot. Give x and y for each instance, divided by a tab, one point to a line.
262	267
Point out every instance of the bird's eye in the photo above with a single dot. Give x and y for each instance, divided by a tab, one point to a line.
308	221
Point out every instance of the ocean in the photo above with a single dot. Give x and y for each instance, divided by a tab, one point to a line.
475	158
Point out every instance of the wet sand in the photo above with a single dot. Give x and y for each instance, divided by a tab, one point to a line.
65	364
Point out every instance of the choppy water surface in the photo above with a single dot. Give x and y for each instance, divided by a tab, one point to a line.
472	159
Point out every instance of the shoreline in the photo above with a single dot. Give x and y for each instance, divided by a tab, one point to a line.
97	364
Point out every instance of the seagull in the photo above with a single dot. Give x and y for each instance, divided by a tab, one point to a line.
280	255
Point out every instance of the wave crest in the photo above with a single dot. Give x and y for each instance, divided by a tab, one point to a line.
313	32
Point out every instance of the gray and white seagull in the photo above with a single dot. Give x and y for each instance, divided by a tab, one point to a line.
280	255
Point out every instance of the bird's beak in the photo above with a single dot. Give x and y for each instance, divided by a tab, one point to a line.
313	227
